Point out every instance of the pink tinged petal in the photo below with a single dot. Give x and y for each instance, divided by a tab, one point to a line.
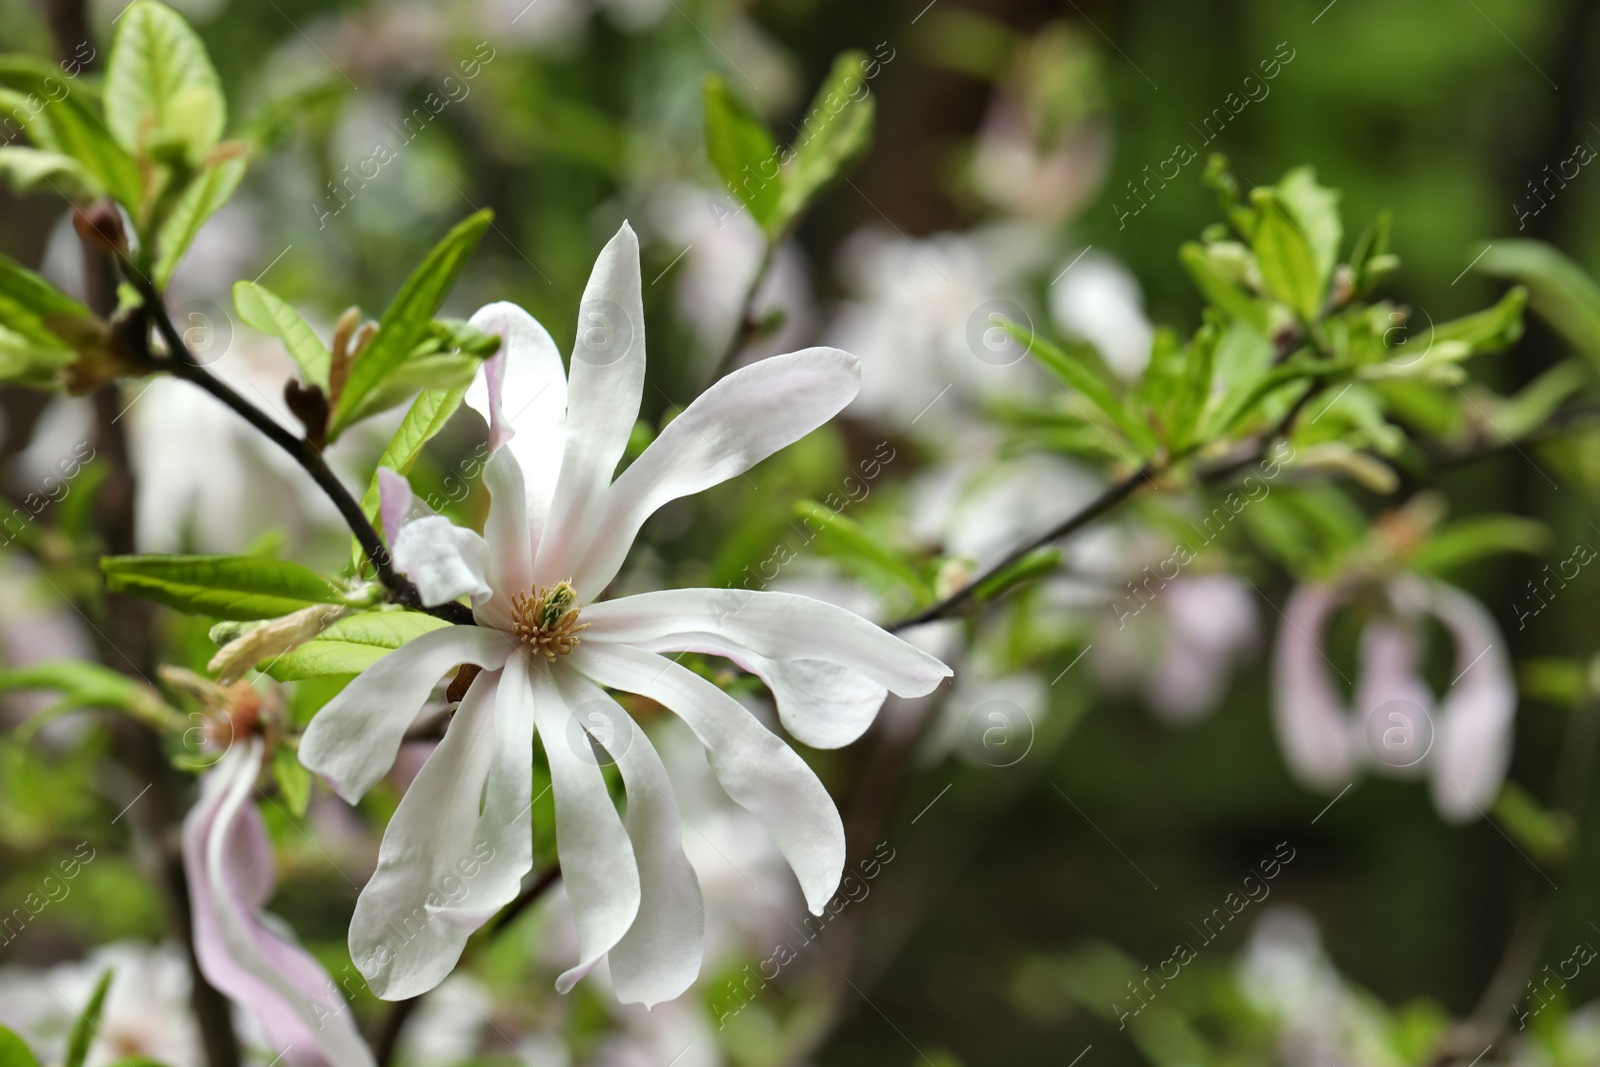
732	426
597	860
776	625
508	539
1391	688
1472	746
494	373
444	868
761	773
230	868
352	741
603	393
531	404
394	502
1308	710
443	560
659	958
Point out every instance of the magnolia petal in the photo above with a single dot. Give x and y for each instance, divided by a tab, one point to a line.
778	626
1390	687
352	741
821	704
509	540
761	773
531	403
395	502
437	876
732	426
603	393
659	958
230	868
1307	709
1473	734
445	561
597	861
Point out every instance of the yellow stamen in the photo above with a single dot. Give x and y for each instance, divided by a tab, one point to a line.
547	619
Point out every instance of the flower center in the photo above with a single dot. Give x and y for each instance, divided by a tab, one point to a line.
547	619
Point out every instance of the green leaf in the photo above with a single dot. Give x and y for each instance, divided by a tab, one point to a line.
1371	246
1493	329
205	193
1216	286
1530	409
1036	564
1315	211
28	169
161	89
849	540
1467	540
1560	290
408	318
352	644
742	151
1546	834
83	685
426	417
87	1024
222	587
1288	262
835	131
67	125
1070	367
37	310
294	781
264	310
14	1052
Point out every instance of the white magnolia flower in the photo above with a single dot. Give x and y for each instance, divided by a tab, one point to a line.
1098	299
557	533
1462	739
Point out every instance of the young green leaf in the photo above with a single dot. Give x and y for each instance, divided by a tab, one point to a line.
87	1025
426	417
1289	266
1220	289
836	130
84	685
742	151
222	587
67	125
161	89
28	170
1561	291
1493	329
264	310
1036	564
1071	368
407	320
1315	211
14	1052
294	781
352	644
850	541
205	193
1467	540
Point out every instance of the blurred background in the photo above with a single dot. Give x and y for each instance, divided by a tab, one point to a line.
1012	155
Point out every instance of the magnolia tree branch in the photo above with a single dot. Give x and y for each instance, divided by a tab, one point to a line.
183	365
747	325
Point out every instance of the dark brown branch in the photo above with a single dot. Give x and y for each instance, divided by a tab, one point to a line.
183	365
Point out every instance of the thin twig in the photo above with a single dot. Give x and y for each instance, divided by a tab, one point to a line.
183	365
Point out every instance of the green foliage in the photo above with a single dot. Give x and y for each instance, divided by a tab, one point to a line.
405	326
427	415
68	125
222	587
1560	290
352	644
778	184
87	1026
163	98
85	685
264	310
14	1052
41	328
294	781
212	187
